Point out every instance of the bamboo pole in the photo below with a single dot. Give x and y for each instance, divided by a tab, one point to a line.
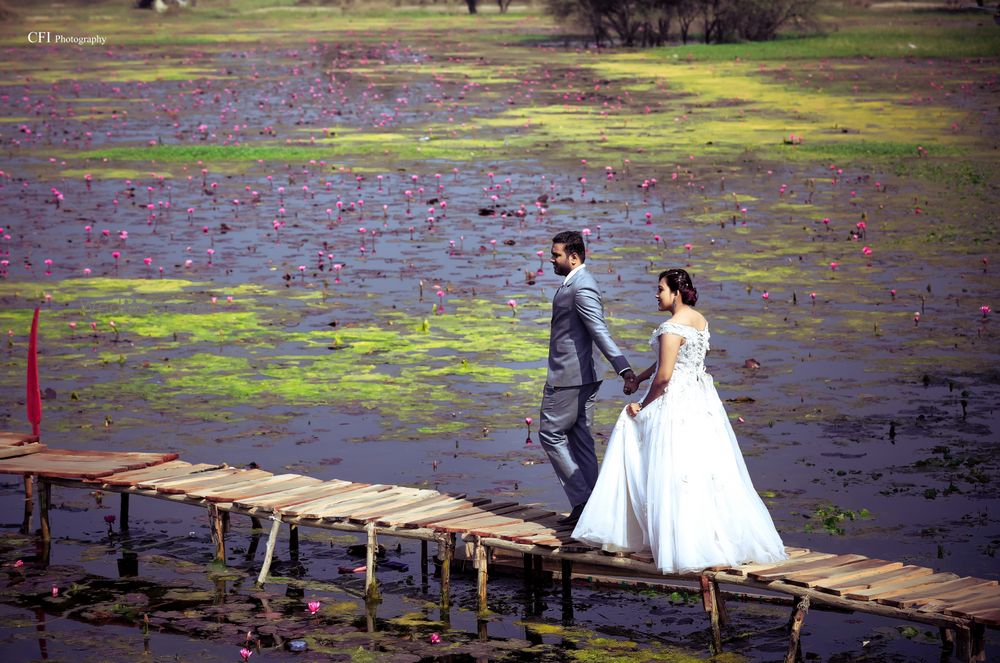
29	503
446	549
482	575
44	500
217	529
798	616
709	599
371	584
272	539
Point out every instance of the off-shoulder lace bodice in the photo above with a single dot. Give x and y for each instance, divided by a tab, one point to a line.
691	356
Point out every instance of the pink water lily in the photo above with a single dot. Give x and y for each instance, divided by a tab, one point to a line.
245	654
985	310
313	607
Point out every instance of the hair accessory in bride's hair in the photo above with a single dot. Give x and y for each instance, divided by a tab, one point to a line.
679	280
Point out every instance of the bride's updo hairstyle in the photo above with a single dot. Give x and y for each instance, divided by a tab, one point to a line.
680	281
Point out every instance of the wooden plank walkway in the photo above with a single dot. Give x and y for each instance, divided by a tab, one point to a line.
963	607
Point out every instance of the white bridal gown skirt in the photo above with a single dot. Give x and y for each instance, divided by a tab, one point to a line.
673	482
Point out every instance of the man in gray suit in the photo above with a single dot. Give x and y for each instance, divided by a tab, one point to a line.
572	382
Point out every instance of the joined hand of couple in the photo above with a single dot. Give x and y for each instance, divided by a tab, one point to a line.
631	382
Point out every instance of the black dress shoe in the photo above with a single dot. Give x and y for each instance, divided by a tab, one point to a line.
573	516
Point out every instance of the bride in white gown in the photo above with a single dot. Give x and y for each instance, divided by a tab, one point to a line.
673	480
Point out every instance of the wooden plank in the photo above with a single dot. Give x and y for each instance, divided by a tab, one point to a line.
777	572
393	495
434	506
243	479
437	499
488	507
198	485
295	495
315	508
956	589
525	528
878	589
404	502
864	567
809	556
970	605
173	468
989	617
132	458
276	484
21	450
485	511
503	516
151	484
840	587
411	519
12	439
342	509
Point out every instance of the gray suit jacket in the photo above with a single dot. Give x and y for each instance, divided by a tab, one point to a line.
577	325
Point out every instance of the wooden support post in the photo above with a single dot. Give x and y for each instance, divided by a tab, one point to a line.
446	549
970	643
527	563
423	558
978	642
795	629
567	589
482	575
371	584
218	531
947	638
269	551
709	599
255	523
123	513
963	644
44	500
293	541
225	522
29	503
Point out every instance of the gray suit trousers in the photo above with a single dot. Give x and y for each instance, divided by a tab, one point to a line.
564	431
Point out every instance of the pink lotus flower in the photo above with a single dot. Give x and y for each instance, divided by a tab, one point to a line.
18	564
985	310
313	607
55	591
834	265
245	654
434	638
765	295
513	306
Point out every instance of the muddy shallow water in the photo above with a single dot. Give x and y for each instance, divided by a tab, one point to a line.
212	209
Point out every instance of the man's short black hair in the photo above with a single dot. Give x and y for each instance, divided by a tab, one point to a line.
572	242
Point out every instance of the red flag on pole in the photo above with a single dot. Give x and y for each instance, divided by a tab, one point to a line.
34	394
